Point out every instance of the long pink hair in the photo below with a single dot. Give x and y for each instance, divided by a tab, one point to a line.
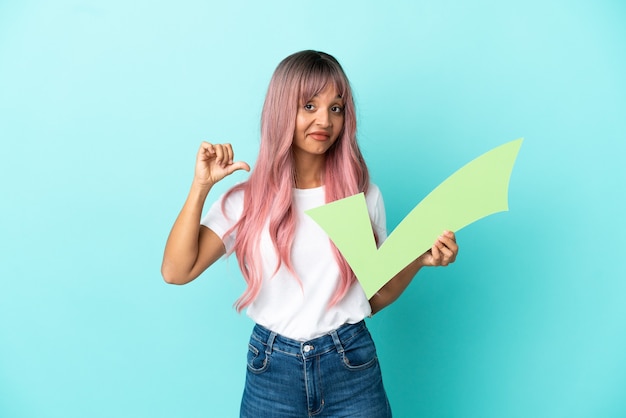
268	191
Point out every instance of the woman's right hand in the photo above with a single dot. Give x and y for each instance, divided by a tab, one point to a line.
214	162
190	248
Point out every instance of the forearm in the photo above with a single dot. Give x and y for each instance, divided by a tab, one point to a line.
181	249
394	287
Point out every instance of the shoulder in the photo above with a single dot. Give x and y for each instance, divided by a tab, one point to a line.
229	204
232	202
373	190
376	208
373	196
234	194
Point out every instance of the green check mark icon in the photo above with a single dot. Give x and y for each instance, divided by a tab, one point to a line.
477	190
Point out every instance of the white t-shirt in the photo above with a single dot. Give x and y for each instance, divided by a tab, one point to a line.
298	307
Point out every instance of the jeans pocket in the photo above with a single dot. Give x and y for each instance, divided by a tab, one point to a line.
360	353
258	360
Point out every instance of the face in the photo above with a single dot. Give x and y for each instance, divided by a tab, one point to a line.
318	123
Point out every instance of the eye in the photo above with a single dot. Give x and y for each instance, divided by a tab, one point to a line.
309	106
337	109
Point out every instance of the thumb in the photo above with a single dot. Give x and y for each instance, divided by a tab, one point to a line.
239	165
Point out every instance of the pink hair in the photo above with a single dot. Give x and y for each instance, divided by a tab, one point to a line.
296	80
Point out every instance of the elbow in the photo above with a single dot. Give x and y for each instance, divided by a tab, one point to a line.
168	278
377	303
381	300
171	277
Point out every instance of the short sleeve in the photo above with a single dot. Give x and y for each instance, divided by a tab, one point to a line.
376	209
221	220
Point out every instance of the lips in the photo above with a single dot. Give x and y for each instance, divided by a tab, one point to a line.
320	135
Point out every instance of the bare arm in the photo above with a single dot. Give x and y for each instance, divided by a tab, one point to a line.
192	248
442	253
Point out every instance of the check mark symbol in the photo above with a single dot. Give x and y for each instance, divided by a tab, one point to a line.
477	190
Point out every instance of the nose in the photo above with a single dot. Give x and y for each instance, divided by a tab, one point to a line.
323	118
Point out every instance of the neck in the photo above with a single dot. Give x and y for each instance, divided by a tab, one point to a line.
309	172
308	182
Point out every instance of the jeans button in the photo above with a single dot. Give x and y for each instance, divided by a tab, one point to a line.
308	348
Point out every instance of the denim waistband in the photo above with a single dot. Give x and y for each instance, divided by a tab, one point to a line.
335	339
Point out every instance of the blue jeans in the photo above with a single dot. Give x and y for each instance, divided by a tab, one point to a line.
336	375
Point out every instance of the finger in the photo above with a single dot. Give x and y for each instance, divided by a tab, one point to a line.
228	153
449	234
206	149
220	155
239	165
444	249
446	255
436	255
449	242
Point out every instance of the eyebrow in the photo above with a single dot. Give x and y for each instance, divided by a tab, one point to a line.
338	98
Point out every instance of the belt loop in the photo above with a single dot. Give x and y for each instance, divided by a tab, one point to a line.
337	341
270	343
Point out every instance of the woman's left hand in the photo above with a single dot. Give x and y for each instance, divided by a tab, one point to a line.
443	251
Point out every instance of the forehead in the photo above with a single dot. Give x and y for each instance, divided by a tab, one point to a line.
329	92
316	84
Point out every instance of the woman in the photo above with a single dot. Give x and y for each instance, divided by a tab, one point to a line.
310	353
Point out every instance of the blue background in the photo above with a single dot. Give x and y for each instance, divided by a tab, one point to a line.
104	103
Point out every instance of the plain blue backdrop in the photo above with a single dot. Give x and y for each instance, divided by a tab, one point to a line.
104	103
